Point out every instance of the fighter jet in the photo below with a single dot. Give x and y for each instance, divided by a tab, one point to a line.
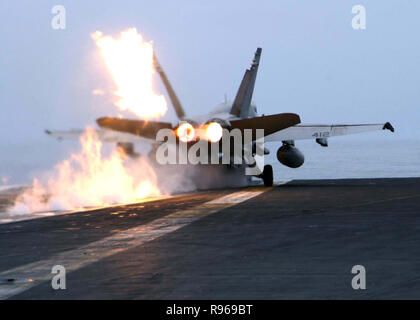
241	114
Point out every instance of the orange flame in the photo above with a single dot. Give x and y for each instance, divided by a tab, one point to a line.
129	59
185	132
89	179
212	132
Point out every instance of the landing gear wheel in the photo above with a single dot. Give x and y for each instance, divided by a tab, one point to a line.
267	175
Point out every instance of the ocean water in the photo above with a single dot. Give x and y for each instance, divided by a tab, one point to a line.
346	157
365	156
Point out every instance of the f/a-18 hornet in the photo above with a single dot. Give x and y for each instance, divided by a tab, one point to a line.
240	114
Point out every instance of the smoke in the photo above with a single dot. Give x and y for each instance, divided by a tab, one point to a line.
186	178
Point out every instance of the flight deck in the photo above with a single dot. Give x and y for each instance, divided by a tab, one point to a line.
298	240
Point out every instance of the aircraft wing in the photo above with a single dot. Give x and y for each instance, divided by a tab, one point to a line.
104	135
301	131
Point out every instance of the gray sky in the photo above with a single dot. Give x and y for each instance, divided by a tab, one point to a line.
313	62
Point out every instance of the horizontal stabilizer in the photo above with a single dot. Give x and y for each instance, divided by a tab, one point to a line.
142	128
270	124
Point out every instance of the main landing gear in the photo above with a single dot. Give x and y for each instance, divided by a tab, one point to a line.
267	175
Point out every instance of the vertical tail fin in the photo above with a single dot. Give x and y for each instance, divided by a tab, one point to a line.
240	107
174	99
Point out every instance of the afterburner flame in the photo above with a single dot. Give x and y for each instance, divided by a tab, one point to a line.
185	132
129	59
90	179
214	131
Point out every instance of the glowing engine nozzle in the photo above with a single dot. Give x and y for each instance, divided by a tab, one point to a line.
214	131
185	132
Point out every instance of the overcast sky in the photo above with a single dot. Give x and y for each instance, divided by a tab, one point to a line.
313	62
